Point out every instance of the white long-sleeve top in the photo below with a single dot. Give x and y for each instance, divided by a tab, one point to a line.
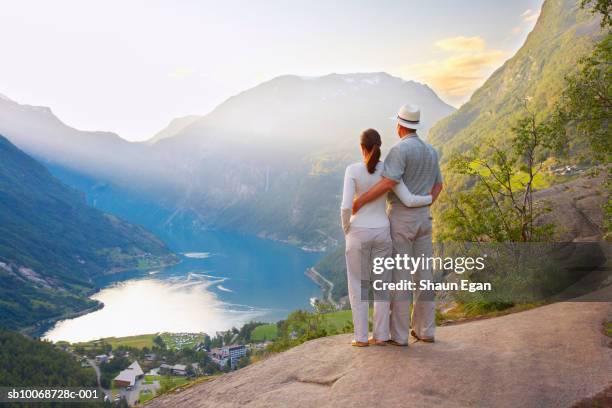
357	181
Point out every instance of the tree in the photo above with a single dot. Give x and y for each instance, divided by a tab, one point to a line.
601	7
585	108
159	342
207	342
322	307
500	207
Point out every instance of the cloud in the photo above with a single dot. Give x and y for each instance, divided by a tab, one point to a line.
465	67
528	19
181	72
530	15
461	44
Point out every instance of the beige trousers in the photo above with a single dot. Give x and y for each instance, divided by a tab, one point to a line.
411	235
362	246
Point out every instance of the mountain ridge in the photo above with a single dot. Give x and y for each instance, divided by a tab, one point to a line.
253	164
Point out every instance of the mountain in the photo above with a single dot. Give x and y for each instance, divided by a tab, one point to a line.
102	155
268	161
174	127
52	244
562	35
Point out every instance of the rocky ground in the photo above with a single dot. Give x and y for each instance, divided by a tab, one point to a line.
555	355
576	208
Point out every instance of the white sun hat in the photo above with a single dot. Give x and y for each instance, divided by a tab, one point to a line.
409	116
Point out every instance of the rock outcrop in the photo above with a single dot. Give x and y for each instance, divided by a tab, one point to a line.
555	355
576	208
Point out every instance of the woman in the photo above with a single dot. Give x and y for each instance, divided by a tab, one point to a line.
367	237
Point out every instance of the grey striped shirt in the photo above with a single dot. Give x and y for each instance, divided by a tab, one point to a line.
416	163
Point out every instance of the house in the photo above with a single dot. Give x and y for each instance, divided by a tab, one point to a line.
236	353
222	355
128	377
179	369
102	358
151	357
165	369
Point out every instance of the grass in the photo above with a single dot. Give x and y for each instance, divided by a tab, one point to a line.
334	321
265	332
148	379
337	320
146	396
141	341
541	181
168	382
476	310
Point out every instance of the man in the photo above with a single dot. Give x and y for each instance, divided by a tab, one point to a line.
416	163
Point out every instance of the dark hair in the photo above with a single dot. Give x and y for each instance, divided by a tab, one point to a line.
370	140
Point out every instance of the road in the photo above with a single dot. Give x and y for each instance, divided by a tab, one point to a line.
321	281
93	364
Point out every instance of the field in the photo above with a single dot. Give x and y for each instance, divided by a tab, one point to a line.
140	341
172	340
334	320
264	332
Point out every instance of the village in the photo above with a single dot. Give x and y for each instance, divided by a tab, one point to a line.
133	370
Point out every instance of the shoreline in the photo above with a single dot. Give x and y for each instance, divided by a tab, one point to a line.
115	271
40	328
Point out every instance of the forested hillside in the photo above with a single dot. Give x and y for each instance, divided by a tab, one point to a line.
27	362
52	243
34	363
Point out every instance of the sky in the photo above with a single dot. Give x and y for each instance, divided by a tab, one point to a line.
131	66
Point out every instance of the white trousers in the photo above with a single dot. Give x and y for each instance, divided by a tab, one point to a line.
362	246
411	234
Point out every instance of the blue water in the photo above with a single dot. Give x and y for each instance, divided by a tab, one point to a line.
258	273
224	278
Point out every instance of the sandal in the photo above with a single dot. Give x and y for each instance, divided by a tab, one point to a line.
424	340
373	342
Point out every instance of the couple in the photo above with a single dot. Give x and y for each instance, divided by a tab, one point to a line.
410	181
